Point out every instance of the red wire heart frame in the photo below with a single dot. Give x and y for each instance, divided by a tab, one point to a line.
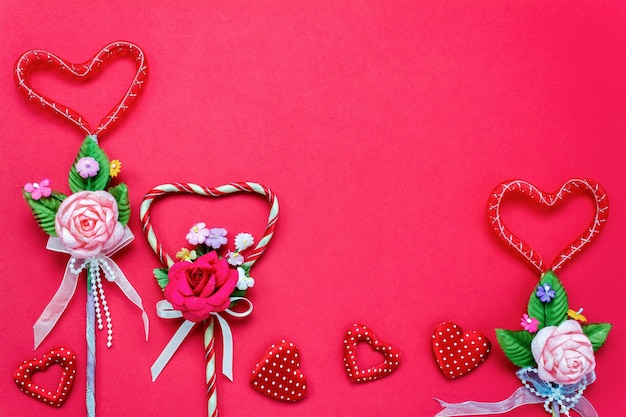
82	72
571	187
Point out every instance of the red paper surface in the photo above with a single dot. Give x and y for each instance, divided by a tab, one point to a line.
382	128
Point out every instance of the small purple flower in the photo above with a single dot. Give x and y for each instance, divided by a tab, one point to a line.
38	190
216	237
545	293
234	258
530	324
87	167
198	234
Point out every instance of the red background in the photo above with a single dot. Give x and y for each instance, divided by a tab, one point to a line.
382	128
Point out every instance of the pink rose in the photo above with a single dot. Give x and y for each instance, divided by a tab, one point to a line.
564	354
86	223
197	289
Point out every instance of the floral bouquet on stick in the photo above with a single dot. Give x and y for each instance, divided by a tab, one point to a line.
206	279
555	350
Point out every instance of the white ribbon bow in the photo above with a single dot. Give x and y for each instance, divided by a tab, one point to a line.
166	311
55	308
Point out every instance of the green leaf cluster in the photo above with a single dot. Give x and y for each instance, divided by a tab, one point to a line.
100	181
45	209
516	345
161	276
120	193
553	312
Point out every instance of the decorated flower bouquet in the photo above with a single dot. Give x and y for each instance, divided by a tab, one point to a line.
207	278
90	225
555	349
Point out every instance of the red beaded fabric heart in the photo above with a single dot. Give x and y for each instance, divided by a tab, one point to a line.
361	333
277	375
82	72
24	373
458	353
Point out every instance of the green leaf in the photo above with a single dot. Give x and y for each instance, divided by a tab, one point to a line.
597	333
238	293
120	193
553	312
161	276
101	179
45	210
202	249
516	346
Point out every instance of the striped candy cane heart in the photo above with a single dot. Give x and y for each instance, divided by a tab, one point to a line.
571	187
187	188
167	260
82	72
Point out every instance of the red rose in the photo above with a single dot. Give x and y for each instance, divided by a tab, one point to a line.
197	289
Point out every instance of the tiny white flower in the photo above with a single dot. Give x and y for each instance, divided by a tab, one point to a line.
243	241
244	282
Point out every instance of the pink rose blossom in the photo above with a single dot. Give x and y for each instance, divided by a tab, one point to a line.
87	223
197	289
563	354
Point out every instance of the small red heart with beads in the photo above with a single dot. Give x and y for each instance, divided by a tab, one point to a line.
458	353
82	72
24	373
277	375
361	333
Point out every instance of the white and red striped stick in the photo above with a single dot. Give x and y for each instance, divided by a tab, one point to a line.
211	376
167	260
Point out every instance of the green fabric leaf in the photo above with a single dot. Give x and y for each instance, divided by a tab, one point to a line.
551	313
202	249
161	276
120	193
45	210
516	346
101	179
597	333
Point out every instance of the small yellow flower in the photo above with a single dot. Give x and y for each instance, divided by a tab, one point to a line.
186	255
577	315
116	167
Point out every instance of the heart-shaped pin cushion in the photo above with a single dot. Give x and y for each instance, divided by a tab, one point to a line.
361	333
24	373
573	186
458	352
277	375
82	72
